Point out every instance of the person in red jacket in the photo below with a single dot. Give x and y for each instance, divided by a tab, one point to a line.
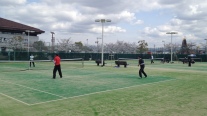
57	66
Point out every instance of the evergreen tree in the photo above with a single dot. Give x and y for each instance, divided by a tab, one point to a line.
184	47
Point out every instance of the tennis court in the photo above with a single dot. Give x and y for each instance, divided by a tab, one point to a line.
34	87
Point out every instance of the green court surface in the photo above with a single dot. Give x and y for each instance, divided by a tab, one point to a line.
36	86
104	90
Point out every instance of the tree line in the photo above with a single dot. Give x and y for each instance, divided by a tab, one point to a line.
17	43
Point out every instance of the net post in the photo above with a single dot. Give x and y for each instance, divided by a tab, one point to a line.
82	62
29	65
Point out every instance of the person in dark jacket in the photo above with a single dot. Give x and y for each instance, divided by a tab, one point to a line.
57	66
184	60
142	66
189	61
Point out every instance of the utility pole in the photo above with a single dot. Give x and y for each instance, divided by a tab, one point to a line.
97	44
53	42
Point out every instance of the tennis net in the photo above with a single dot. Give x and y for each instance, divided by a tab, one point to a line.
9	66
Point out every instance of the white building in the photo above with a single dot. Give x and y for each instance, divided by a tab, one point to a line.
9	29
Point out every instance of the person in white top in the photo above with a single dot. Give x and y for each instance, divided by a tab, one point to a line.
152	59
32	61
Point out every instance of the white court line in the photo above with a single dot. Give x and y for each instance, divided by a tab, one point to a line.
33	89
14	99
101	92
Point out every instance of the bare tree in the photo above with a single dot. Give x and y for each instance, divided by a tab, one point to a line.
87	49
110	48
204	46
64	45
91	48
131	47
192	47
16	43
121	47
175	47
168	47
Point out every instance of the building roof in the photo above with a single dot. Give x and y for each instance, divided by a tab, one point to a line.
11	26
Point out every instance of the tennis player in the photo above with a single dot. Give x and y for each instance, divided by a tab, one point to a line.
57	66
152	59
32	60
142	65
189	61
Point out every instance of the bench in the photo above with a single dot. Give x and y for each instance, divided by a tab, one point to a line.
165	60
162	60
118	63
186	60
99	62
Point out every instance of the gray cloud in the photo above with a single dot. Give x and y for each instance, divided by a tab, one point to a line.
77	17
12	2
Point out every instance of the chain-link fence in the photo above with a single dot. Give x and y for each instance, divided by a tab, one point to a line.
24	56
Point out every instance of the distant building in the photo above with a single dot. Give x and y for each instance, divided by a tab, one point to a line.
9	29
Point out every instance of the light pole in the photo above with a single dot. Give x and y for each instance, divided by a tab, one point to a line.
28	31
102	21
171	41
53	41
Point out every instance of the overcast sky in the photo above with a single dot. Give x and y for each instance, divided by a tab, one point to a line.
132	20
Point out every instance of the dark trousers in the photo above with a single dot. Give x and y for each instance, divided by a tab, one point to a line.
141	70
57	68
31	62
189	63
152	61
